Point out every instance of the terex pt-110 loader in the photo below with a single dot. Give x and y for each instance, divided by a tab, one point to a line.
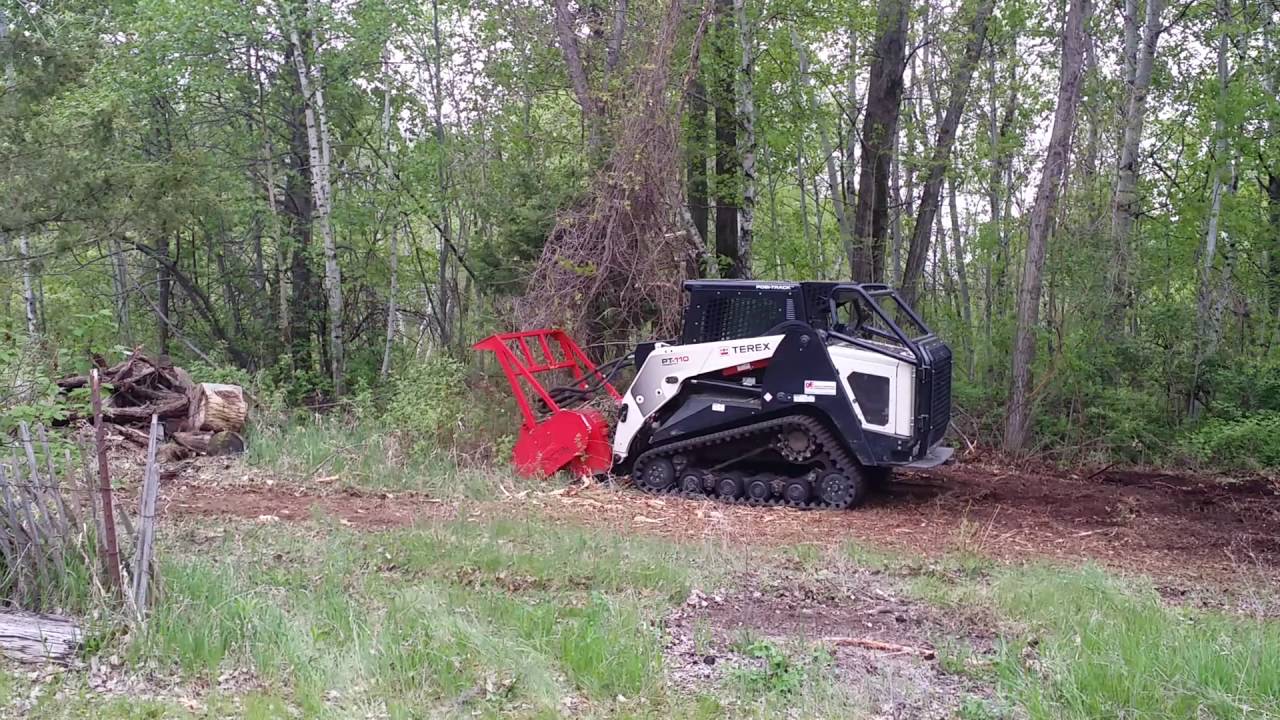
775	393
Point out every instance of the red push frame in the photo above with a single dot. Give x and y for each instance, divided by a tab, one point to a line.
573	438
520	363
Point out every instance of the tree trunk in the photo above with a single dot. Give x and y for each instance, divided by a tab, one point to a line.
879	131
164	292
1273	257
120	284
1124	206
746	111
216	407
321	191
696	151
727	188
848	164
931	200
801	182
614	53
1208	328
393	252
29	287
446	219
566	31
10	85
1052	178
895	191
301	309
962	277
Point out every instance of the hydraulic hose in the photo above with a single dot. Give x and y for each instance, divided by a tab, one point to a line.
565	394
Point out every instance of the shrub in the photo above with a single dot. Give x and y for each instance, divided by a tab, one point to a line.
1251	441
430	401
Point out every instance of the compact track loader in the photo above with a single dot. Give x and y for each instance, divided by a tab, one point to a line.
790	393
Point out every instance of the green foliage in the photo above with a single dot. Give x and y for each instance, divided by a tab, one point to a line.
229	374
778	673
27	393
429	401
1251	441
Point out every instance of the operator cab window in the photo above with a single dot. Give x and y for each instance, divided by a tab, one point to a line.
855	317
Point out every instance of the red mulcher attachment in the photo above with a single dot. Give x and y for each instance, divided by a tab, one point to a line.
576	439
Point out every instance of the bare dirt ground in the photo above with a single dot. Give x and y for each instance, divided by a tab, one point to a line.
1177	526
898	677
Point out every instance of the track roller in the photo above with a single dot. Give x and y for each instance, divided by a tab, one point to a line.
730	486
798	491
658	476
693	482
759	488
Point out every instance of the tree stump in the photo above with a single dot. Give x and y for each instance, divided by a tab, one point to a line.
217	407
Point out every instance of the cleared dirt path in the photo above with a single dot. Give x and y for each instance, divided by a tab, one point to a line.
1172	525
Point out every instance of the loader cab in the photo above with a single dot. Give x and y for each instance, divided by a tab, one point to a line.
718	310
896	370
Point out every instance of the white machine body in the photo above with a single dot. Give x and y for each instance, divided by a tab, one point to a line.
669	367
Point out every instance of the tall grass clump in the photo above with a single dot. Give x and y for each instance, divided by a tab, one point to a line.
439	426
1107	648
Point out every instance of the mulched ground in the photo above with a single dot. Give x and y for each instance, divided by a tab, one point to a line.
1172	525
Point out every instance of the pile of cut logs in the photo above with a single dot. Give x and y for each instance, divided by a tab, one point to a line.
199	418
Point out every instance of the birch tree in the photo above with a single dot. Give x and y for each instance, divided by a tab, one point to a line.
1208	305
393	229
27	262
1124	206
321	193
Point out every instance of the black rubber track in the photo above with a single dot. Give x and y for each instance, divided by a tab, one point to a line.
829	450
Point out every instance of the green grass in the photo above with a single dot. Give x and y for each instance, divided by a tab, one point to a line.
529	618
1097	646
508	617
364	454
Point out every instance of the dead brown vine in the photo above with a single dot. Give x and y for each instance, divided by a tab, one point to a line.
616	260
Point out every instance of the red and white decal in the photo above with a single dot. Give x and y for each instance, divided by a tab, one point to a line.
744	367
819	387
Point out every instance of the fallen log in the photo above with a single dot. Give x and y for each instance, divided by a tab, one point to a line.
176	406
207	443
217	407
133	435
38	638
868	643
